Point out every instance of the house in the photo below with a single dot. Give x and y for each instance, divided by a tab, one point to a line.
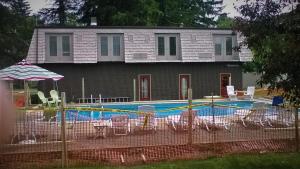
163	62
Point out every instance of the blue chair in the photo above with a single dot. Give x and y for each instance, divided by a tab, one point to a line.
277	101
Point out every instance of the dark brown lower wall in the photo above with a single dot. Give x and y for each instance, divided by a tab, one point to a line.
115	79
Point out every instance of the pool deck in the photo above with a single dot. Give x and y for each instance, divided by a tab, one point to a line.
82	136
160	137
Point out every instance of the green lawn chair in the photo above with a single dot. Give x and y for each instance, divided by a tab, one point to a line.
44	100
54	96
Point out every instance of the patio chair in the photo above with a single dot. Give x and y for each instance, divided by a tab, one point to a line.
232	95
54	96
210	122
183	121
256	115
277	101
44	100
250	92
282	117
99	128
120	125
146	120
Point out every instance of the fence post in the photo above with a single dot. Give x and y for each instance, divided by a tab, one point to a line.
64	159
190	119
296	128
213	115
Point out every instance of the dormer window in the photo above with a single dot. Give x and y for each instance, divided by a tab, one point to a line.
167	46
223	47
110	47
59	47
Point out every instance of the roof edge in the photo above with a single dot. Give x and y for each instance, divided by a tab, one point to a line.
125	27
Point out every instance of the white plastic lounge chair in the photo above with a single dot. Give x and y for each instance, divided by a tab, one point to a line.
250	92
120	125
146	120
54	96
232	95
44	100
182	121
283	117
256	115
218	121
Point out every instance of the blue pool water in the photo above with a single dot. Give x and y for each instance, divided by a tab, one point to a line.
160	110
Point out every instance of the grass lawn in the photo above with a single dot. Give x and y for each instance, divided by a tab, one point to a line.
266	161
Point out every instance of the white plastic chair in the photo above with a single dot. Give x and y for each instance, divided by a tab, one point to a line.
232	95
44	100
256	115
218	121
182	121
250	92
147	119
54	96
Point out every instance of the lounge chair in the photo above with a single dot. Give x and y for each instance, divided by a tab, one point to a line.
210	122
182	121
120	125
54	96
44	100
256	115
282	117
250	92
146	120
232	95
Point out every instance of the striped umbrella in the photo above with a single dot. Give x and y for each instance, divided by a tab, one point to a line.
28	72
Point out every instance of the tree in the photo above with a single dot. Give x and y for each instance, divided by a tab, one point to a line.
15	31
190	12
120	12
224	21
62	12
20	7
274	39
151	12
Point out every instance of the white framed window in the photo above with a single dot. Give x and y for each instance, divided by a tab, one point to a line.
223	47
167	45
59	47
111	47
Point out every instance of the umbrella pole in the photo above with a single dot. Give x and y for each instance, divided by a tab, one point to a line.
56	86
26	93
12	91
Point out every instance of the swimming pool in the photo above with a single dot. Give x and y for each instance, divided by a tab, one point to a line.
161	110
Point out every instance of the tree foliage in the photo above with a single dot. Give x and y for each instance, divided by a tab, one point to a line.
120	12
274	39
190	12
151	12
224	21
15	31
61	12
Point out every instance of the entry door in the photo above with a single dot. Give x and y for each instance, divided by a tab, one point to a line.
145	87
184	84
225	80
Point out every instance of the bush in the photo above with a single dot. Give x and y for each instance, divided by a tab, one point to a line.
49	112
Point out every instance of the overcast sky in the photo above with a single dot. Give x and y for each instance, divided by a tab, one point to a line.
38	4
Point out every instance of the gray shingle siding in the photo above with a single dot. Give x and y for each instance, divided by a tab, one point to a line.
139	44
